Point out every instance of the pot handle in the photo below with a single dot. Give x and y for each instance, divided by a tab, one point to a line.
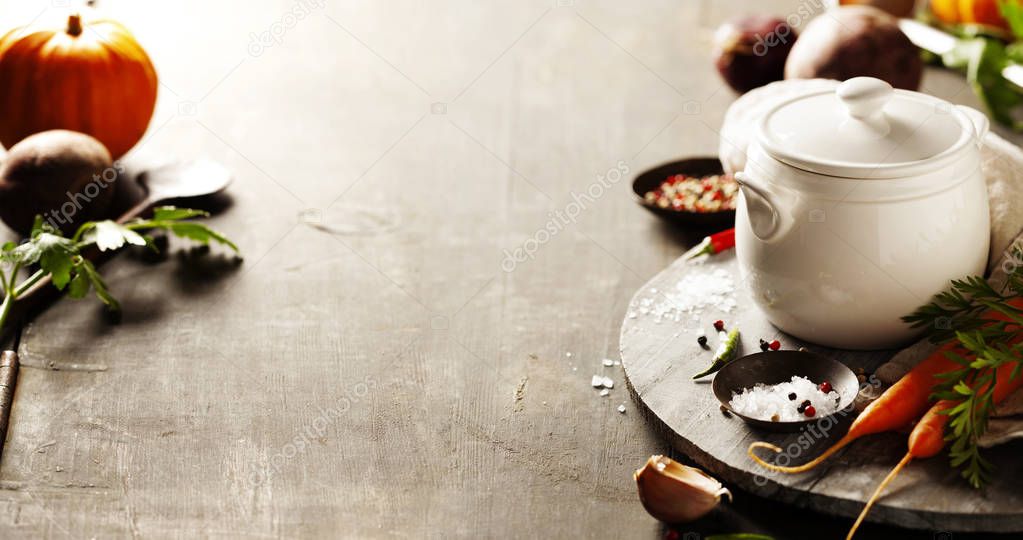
761	206
979	121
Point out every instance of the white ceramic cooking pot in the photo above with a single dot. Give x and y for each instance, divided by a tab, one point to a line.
857	206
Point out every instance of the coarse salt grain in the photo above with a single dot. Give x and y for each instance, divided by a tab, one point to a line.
763	402
597	381
608	362
604	392
608	383
621	408
690	296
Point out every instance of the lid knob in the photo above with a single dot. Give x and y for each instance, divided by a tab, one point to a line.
864	97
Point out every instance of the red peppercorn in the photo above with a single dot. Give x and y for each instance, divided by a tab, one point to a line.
825	387
810	412
672	534
719	325
775	345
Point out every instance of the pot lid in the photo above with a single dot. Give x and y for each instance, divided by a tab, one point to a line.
865	129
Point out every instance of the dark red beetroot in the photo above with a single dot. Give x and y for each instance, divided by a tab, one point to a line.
750	51
898	8
856	41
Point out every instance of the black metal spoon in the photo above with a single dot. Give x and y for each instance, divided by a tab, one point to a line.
774	367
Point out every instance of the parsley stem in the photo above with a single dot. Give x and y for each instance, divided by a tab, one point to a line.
10	295
32	280
5	309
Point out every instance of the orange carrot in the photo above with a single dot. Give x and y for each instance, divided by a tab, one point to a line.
897	407
928	437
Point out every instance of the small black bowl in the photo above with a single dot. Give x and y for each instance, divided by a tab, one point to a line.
699	167
774	367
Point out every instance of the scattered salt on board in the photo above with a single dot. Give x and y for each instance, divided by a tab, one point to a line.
690	296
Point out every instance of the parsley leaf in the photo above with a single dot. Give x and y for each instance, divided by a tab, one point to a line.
84	267
170	219
79	286
51	251
109	235
200	233
171	213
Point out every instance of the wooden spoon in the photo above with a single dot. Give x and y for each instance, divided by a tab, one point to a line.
178	181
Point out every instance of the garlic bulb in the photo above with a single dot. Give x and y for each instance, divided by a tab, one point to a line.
675	493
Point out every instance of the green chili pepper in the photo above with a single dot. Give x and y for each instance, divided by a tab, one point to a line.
728	346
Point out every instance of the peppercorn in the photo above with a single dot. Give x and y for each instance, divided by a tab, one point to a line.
702	340
802	406
792	396
764	345
692	194
775	345
775	418
825	387
810	412
719	325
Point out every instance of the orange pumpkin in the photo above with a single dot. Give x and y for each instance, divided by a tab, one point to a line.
91	77
969	11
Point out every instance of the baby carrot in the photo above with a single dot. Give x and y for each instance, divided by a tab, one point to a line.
928	437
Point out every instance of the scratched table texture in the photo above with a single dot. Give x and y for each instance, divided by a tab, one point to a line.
379	366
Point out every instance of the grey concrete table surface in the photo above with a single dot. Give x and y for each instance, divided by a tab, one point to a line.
380	366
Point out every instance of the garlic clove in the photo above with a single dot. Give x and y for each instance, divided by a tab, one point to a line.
675	493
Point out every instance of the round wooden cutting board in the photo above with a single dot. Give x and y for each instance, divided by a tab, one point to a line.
660	356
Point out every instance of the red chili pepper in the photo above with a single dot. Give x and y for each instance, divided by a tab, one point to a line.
713	244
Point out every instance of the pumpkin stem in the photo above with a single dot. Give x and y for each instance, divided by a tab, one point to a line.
74	25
